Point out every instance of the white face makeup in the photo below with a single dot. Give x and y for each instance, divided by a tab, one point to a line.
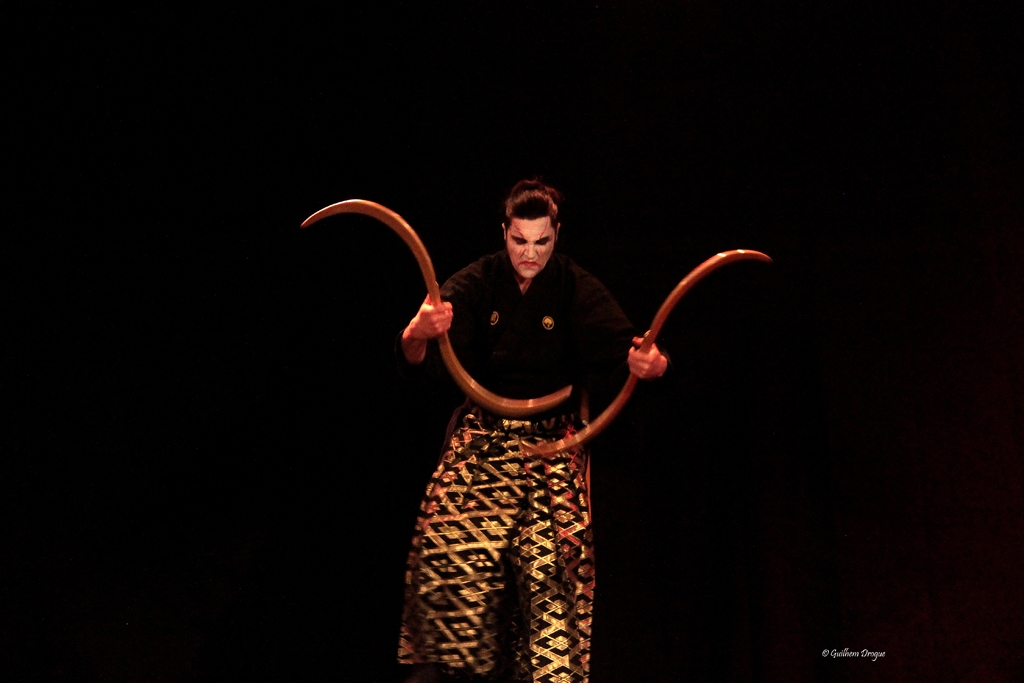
530	244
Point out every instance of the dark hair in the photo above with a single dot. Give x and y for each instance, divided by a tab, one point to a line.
530	199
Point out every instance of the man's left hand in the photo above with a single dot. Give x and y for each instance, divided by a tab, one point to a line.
649	365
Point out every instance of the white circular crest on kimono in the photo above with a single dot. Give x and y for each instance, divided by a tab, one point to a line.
548	322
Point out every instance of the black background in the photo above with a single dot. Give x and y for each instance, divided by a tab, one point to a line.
212	470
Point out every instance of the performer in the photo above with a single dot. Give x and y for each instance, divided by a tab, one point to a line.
500	577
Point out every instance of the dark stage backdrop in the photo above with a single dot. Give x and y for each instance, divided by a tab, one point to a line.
211	471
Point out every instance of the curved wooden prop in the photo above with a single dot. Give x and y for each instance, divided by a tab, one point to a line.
488	400
598	424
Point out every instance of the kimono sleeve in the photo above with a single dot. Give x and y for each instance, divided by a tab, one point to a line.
602	337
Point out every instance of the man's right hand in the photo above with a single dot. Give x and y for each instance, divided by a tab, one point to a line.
429	322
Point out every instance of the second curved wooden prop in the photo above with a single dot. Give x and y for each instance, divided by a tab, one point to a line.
488	400
598	424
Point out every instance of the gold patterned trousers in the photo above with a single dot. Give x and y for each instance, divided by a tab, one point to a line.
500	578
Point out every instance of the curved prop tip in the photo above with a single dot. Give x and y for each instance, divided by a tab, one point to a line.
347	206
746	254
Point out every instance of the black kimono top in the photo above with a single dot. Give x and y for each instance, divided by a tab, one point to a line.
566	329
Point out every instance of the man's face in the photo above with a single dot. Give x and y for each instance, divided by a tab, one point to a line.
529	244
